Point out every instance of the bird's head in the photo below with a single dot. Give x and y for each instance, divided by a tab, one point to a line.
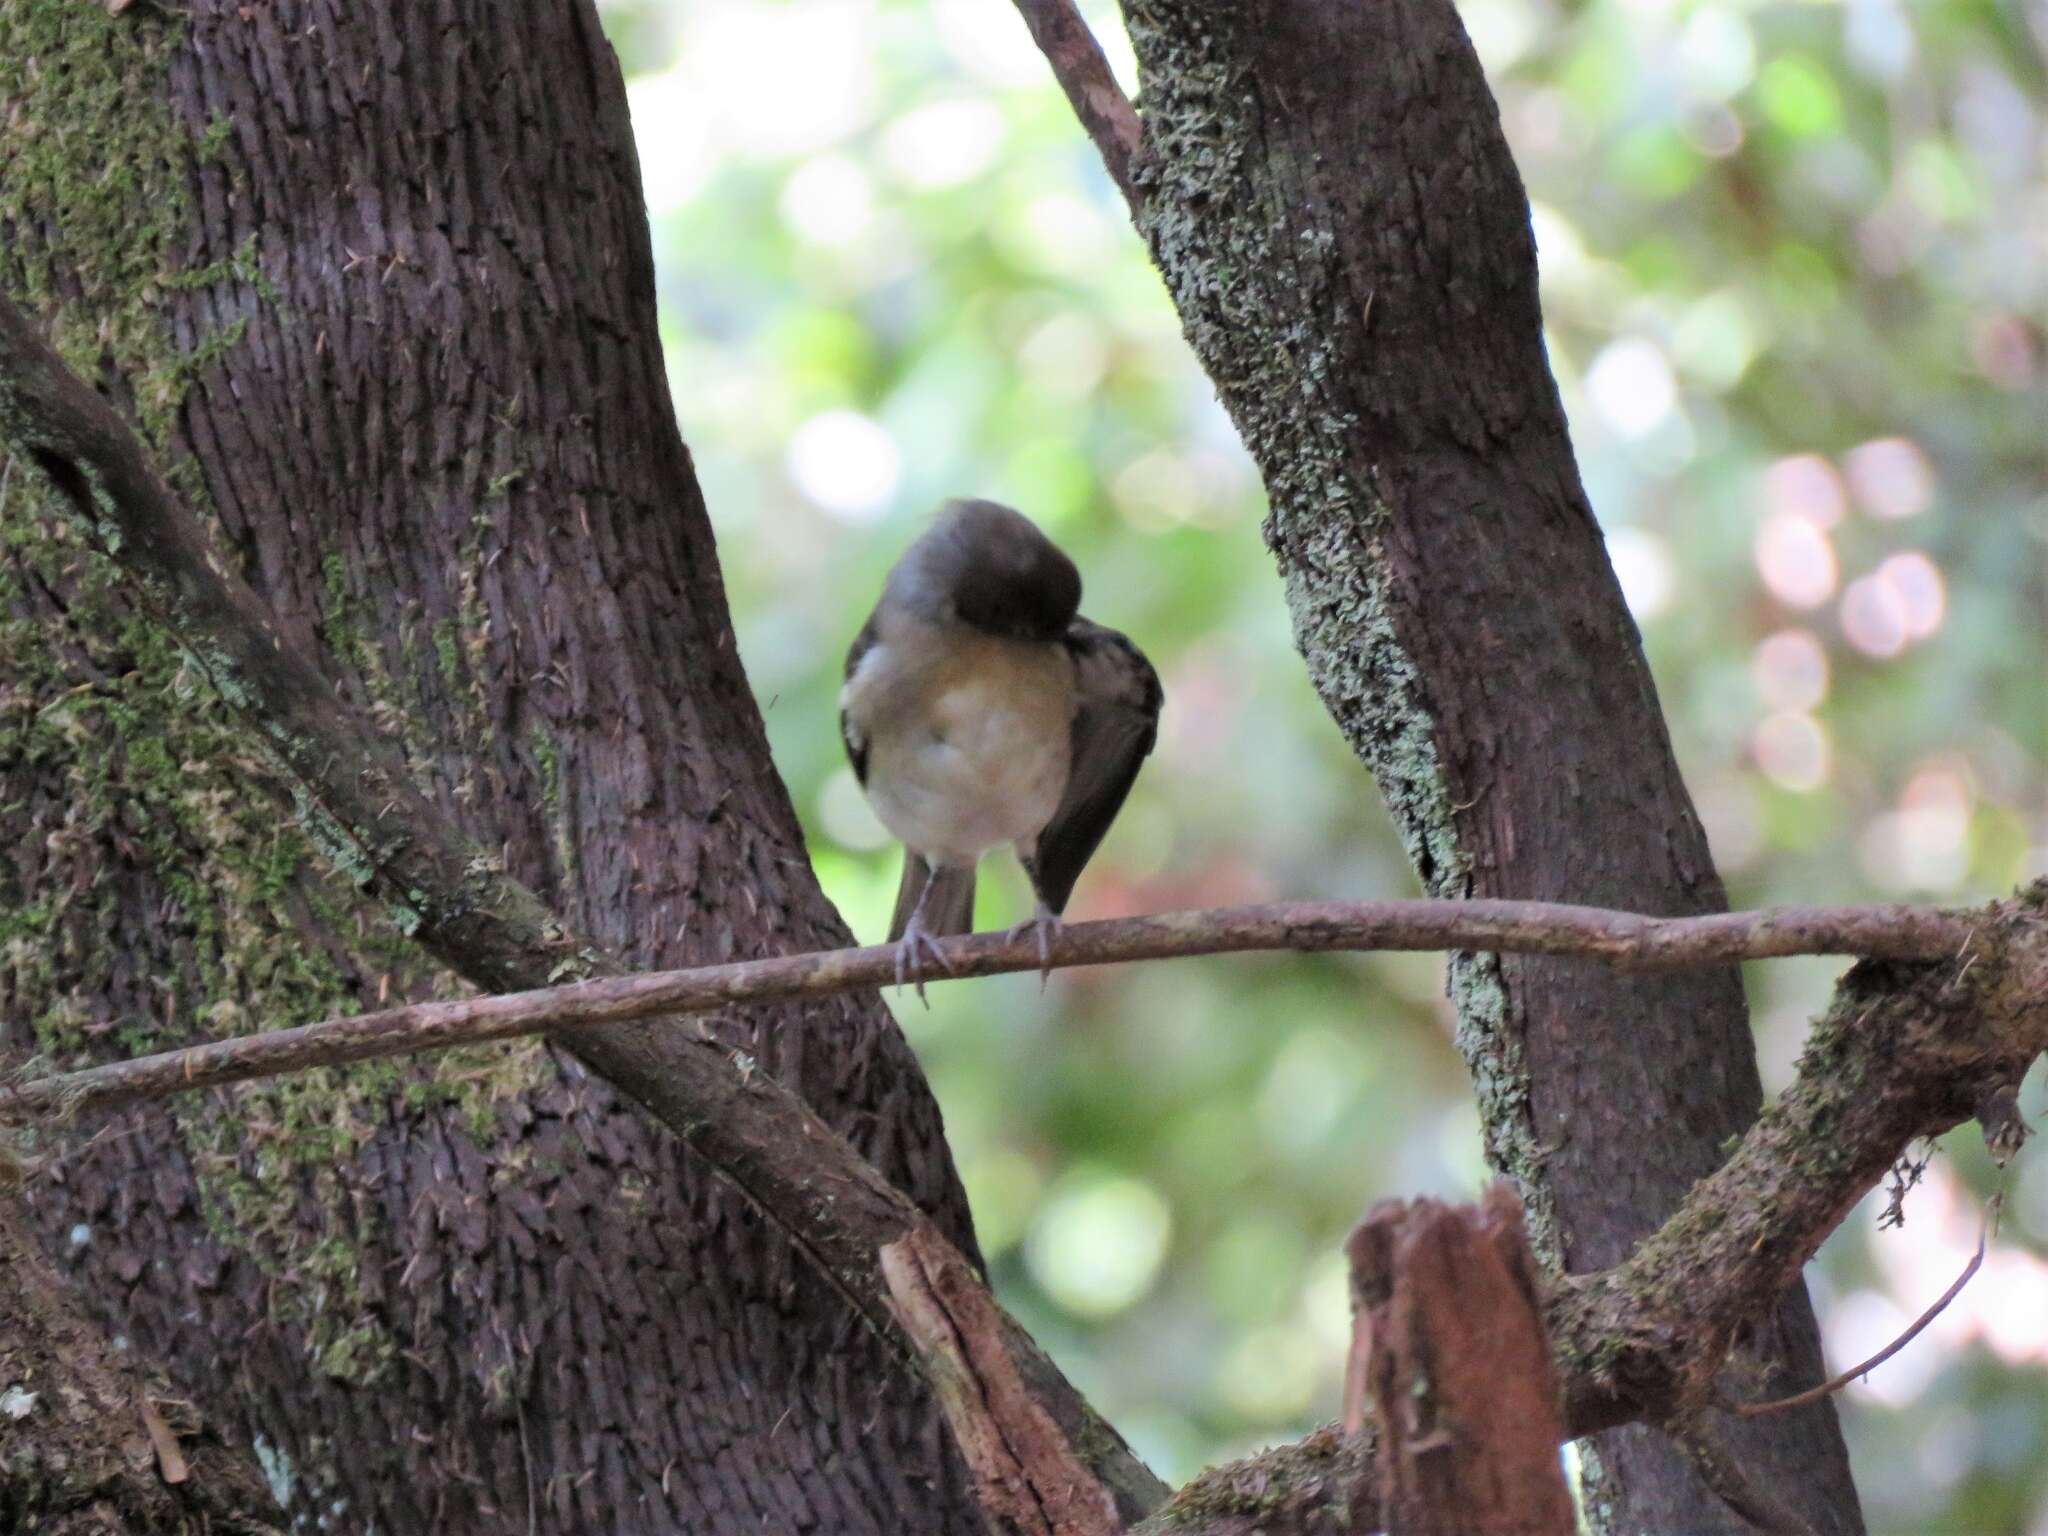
990	567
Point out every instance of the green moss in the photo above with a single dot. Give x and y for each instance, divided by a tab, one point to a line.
341	620
94	196
143	740
450	654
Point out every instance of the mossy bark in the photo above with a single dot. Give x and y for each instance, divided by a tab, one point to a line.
375	283
1328	194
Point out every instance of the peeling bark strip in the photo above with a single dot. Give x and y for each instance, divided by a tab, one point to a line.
1620	938
1458	1367
1025	1471
1329	197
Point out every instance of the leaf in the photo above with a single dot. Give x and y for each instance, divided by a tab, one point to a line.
169	1459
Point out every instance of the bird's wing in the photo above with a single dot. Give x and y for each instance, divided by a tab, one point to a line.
1116	721
855	738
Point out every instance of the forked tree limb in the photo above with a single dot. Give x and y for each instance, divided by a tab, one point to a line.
1533	927
1902	1053
1905	1051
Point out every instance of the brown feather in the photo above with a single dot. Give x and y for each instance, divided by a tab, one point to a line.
951	907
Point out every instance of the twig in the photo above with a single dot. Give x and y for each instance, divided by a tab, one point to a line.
1835	1383
1529	927
1083	73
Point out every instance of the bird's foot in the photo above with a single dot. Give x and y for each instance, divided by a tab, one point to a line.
914	950
1044	923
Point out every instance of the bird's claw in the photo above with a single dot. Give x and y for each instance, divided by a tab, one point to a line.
913	951
1044	923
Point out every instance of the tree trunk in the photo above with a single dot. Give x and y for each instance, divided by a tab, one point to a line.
376	282
1327	191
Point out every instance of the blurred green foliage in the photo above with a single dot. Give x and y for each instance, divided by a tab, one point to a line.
1794	281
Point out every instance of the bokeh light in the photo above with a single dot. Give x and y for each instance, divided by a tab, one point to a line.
1791	670
847	463
1792	299
1796	559
1792	750
1891	477
1098	1242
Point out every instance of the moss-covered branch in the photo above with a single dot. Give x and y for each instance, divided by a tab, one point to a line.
1903	1052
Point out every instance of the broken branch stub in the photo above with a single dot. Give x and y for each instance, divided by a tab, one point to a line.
1449	1348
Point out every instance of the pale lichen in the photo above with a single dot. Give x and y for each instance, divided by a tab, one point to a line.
1249	284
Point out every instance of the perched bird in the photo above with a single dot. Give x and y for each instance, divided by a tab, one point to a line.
981	709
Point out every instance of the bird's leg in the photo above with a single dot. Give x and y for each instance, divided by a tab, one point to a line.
1044	923
917	944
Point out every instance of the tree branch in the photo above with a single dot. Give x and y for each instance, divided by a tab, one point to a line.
1083	73
1903	1052
354	797
1529	927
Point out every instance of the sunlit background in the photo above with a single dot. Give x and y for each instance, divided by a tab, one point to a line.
1794	271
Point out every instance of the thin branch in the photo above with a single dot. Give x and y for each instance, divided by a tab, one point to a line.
1526	927
1083	73
1835	1383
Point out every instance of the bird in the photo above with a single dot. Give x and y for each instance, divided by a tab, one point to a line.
980	709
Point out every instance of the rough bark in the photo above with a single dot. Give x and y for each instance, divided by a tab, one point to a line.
1327	191
357	801
79	1455
380	283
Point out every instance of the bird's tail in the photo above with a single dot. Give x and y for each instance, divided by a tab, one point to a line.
949	908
